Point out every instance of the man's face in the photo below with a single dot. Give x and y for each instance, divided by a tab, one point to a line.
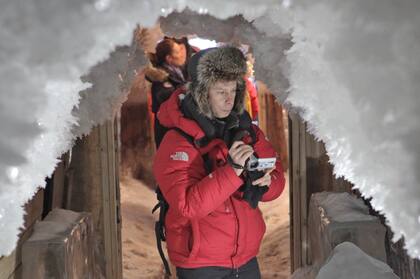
178	55
222	97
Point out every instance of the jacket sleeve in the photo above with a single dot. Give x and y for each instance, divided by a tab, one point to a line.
254	101
181	176
263	149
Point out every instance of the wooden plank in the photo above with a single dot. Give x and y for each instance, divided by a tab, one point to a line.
314	148
397	258
59	178
109	204
303	193
117	163
276	132
341	185
294	226
112	172
84	186
295	220
8	264
33	211
262	100
93	189
320	171
298	192
17	274
106	200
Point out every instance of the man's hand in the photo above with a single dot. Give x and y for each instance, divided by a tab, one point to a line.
239	152
265	180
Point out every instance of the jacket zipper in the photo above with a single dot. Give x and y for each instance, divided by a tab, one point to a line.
235	248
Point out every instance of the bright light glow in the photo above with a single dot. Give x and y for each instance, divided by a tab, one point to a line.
202	43
13	173
203	11
102	5
286	3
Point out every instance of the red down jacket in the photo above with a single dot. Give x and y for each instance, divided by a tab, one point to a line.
207	223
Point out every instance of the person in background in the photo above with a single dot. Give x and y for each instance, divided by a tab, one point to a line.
213	224
167	72
251	98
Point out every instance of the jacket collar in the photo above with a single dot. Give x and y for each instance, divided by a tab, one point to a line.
170	115
164	73
180	111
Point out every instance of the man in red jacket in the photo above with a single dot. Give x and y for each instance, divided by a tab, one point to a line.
213	226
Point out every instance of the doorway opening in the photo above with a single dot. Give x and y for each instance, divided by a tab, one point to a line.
140	255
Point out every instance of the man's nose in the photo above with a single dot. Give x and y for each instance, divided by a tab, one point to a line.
229	98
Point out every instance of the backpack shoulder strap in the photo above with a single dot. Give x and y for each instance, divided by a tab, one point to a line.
253	135
160	232
190	139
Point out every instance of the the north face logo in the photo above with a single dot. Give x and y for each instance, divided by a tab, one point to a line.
180	156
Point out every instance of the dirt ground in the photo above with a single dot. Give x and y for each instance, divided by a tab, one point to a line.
141	259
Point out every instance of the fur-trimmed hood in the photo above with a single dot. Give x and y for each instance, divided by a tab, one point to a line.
155	74
211	65
181	112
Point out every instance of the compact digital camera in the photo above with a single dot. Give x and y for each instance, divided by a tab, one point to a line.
255	163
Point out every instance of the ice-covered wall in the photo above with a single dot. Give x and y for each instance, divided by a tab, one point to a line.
356	73
353	71
45	47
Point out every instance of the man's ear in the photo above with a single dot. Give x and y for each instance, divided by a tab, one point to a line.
168	59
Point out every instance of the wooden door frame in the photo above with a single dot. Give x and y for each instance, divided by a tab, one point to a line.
109	152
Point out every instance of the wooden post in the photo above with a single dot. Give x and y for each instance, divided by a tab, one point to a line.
59	182
110	200
95	189
11	266
270	121
117	163
298	192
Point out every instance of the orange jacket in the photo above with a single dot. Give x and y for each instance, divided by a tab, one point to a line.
251	100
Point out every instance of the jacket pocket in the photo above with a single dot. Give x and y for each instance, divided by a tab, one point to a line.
256	231
181	241
193	242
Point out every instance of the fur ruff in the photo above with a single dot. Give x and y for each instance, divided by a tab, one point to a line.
224	63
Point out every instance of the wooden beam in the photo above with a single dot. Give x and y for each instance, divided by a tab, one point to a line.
294	211
303	195
117	163
59	178
93	187
110	202
298	192
33	209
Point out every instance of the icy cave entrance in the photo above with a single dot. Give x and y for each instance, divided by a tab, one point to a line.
140	255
